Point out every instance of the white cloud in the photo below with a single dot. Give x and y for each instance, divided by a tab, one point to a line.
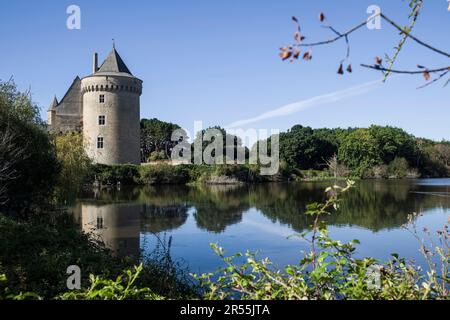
312	102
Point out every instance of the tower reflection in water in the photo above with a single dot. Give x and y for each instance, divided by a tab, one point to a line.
119	224
116	225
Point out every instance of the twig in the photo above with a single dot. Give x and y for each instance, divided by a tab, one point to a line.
375	67
434	80
414	38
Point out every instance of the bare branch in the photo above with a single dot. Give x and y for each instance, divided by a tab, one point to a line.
435	80
364	23
416	5
340	36
379	68
409	35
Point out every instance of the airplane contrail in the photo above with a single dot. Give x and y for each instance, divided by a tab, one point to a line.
311	102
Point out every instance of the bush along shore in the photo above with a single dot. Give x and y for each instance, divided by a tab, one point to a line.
164	173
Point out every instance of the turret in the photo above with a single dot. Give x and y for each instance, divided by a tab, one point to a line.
51	112
111	112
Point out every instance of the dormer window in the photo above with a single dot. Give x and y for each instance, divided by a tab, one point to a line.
101	98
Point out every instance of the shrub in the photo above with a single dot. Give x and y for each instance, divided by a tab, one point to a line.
75	164
398	168
315	174
28	164
163	174
122	288
376	172
155	156
35	254
126	174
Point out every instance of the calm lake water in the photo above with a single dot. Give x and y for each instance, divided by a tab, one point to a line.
260	218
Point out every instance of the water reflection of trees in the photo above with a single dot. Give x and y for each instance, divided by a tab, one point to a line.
215	207
218	206
374	205
156	219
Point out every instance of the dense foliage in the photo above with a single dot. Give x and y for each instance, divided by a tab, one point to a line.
76	166
374	152
156	139
28	163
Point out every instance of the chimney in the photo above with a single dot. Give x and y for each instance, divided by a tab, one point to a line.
95	63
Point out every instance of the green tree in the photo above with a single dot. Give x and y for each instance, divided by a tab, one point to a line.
75	164
303	148
36	170
236	141
359	151
156	137
443	153
18	105
394	142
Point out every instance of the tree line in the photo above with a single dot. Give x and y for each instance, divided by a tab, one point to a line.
374	152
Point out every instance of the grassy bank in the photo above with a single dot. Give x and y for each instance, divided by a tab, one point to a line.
163	173
35	253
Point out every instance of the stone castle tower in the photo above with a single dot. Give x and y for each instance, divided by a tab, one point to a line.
105	106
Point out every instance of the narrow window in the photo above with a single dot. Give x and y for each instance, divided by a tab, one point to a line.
101	120
99	222
102	98
99	142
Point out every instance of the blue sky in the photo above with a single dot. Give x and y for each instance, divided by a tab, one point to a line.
217	61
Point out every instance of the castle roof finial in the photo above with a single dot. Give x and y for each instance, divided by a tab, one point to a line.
114	43
114	63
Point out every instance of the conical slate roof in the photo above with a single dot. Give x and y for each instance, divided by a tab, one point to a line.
53	105
114	63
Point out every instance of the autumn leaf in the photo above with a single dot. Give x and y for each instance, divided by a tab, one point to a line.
341	69
284	55
307	55
378	60
297	54
349	68
294	19
426	75
322	17
297	36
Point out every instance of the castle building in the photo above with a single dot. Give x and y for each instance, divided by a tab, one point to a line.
105	107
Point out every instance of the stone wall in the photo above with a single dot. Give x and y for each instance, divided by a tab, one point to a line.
68	115
121	108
